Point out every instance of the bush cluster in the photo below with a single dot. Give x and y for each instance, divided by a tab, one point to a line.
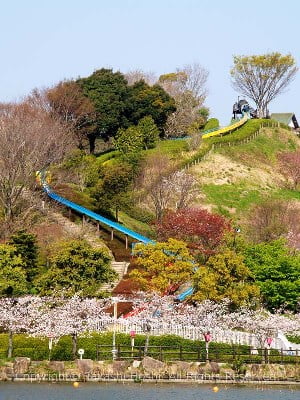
212	123
37	348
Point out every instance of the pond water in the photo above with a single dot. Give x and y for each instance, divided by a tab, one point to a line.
103	391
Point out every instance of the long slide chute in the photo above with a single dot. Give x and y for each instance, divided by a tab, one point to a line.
114	225
93	215
227	129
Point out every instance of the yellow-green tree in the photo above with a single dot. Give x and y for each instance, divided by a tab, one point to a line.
162	265
225	276
262	77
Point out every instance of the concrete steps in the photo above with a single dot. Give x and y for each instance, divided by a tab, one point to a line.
121	269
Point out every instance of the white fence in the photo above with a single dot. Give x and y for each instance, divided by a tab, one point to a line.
195	333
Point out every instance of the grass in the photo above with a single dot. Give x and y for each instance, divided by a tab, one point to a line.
236	196
287	194
171	148
135	225
264	148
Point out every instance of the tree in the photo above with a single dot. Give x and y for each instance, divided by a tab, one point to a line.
277	273
76	267
165	187
274	219
19	314
12	272
138	137
108	92
262	77
69	103
128	141
26	246
145	101
111	190
162	265
201	230
290	167
225	276
188	87
149	132
30	140
138	75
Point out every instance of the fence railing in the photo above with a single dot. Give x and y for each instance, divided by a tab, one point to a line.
199	354
231	143
219	335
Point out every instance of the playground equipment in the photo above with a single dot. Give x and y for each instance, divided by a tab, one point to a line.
41	176
241	107
44	179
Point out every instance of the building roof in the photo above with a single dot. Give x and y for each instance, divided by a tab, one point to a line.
285	118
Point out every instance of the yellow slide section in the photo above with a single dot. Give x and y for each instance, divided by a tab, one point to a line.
227	129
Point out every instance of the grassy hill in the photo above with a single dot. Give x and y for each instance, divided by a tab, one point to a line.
233	178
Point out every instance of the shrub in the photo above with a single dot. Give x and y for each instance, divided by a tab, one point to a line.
212	123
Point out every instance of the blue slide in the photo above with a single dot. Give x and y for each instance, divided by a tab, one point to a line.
102	220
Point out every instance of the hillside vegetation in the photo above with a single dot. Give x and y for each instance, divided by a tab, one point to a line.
233	178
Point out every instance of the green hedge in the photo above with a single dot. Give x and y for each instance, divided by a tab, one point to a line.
107	156
212	123
37	348
140	214
247	130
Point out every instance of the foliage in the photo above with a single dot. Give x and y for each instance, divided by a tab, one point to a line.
37	348
145	100
82	169
128	141
149	132
111	189
212	123
201	230
273	219
143	136
162	265
118	105
69	103
108	93
26	246
12	272
76	267
188	87
263	77
290	167
276	272
225	275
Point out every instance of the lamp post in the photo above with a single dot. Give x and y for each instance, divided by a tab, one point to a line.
207	338
114	350
269	341
132	336
236	231
147	330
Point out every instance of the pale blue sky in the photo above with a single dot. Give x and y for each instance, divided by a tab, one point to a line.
44	41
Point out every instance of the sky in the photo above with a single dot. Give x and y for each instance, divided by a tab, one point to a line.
45	41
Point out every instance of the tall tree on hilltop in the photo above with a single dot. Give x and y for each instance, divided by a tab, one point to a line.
145	100
108	91
188	87
262	77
